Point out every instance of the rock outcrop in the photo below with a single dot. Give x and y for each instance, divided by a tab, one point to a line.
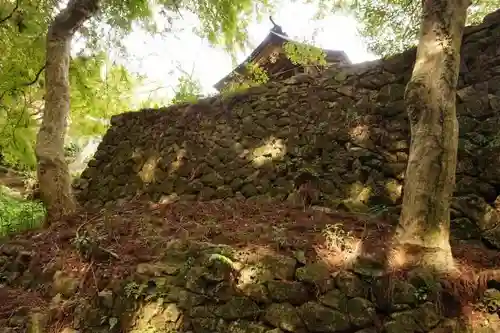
344	137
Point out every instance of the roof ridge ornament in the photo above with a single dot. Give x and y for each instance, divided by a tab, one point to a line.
276	28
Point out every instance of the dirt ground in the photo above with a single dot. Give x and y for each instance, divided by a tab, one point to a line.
138	232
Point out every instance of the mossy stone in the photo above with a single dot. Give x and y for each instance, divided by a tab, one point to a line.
284	316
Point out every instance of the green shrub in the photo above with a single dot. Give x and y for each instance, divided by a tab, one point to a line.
17	214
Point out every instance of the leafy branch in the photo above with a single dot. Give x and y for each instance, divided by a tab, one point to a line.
25	84
22	115
16	7
37	76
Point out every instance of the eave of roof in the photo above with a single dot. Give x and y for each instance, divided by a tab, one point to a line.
271	38
278	39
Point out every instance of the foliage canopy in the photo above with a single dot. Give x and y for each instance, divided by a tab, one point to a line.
391	26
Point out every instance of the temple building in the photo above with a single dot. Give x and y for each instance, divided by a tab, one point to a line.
270	56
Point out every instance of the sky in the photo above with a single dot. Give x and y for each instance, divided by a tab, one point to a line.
160	57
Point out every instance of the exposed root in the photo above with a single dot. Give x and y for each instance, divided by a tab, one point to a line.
408	256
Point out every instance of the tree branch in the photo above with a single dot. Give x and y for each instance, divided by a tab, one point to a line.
72	17
16	7
37	76
25	84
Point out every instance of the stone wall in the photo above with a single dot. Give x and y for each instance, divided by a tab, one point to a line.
346	133
205	288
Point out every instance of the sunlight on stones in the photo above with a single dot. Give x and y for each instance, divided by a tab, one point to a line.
154	316
178	162
360	193
358	198
147	172
360	134
394	189
271	150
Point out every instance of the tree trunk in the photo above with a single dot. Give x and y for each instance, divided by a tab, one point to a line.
53	175
424	227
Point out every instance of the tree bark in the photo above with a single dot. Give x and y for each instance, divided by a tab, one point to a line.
53	174
423	231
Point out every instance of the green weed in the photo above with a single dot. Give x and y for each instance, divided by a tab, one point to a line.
339	240
18	214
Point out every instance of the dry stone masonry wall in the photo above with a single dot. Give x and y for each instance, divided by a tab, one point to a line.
205	288
346	133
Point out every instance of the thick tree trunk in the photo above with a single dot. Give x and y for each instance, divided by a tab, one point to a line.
53	175
424	225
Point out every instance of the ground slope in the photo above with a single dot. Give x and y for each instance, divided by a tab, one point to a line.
54	270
